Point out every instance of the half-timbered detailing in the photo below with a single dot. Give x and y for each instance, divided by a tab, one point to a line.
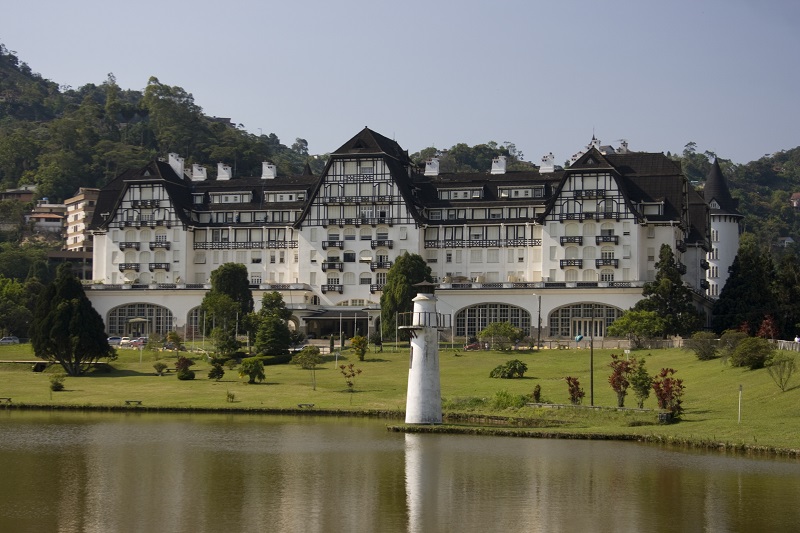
588	232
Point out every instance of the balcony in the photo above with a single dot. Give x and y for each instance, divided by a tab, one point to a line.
704	265
564	263
380	265
704	284
681	246
600	239
572	240
128	266
145	203
332	265
375	287
606	262
128	245
158	266
388	243
160	244
681	268
590	193
332	244
333	288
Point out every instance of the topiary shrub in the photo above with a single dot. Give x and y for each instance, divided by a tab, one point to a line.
159	367
216	372
185	375
509	370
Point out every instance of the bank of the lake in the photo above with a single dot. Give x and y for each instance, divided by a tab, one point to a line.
769	417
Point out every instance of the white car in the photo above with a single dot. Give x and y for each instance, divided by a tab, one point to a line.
9	340
125	341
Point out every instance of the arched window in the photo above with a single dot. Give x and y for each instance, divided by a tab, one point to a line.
471	320
571	274
607	274
587	319
140	319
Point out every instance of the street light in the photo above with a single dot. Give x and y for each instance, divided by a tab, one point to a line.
539	324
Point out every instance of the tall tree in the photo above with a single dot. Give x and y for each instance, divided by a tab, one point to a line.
398	291
670	297
748	294
231	280
273	336
66	328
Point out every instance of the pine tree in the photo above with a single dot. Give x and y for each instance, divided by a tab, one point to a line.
748	294
66	328
670	297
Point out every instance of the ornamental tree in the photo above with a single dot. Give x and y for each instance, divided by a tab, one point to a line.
66	328
398	292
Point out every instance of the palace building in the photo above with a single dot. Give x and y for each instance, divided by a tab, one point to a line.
557	252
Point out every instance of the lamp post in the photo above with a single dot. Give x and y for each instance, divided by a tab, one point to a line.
539	323
591	359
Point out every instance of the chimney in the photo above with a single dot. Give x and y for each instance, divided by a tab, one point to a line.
223	172
548	164
499	165
432	166
623	147
198	172
176	162
268	171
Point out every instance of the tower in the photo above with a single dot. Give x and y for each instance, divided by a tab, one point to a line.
725	221
424	397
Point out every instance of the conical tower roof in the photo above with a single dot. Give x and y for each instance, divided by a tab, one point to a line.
717	194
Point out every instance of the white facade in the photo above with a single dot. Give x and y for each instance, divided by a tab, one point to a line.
585	239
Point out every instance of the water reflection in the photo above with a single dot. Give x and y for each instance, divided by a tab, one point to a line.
110	472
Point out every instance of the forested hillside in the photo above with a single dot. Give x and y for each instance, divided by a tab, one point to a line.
61	138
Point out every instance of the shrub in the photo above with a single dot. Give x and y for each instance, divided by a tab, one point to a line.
576	393
641	383
728	342
308	358
57	382
510	369
230	397
185	375
781	369
183	363
159	367
537	394
752	352
230	364
216	372
621	369
669	391
360	346
505	400
253	368
704	344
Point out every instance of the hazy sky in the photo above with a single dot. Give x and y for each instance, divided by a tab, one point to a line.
544	75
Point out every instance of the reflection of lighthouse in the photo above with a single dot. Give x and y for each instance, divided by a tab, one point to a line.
424	397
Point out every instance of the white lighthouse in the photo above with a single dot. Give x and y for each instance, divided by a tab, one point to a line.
424	396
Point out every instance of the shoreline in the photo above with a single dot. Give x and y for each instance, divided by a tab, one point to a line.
474	424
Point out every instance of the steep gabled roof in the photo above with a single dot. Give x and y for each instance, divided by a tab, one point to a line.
155	171
716	188
368	142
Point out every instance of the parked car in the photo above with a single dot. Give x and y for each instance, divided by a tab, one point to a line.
137	343
125	341
473	346
9	340
114	341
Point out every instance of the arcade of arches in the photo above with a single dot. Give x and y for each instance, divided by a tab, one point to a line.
585	319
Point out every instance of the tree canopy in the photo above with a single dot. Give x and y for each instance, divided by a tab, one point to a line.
670	298
66	328
399	291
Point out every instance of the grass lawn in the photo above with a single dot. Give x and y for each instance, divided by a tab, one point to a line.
770	418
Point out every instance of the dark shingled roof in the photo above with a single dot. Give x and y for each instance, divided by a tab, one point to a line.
369	142
716	188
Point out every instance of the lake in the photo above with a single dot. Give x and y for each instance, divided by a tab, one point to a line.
140	472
